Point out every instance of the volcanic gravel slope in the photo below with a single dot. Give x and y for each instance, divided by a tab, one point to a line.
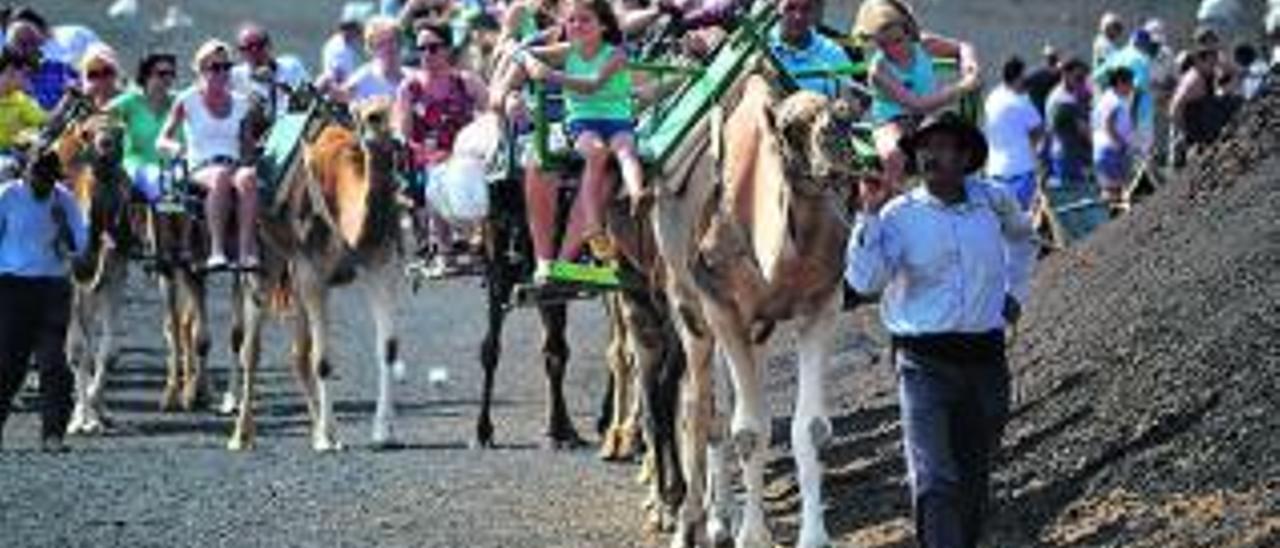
1149	367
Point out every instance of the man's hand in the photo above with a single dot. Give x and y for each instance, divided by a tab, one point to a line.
872	194
1012	310
537	69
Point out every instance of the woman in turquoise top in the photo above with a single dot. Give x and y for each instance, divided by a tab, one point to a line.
142	111
904	87
598	89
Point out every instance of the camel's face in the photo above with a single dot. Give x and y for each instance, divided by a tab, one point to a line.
105	136
817	137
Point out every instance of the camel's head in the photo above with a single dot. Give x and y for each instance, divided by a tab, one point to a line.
104	136
816	135
374	120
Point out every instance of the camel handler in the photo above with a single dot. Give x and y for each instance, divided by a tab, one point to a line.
952	261
41	231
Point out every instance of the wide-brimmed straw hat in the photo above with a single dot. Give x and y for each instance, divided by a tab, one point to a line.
949	122
876	15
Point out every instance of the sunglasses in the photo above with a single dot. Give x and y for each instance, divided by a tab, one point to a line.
101	74
255	45
164	73
432	47
221	67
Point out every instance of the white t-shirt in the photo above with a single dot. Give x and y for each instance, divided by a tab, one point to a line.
1111	105
289	71
207	136
1011	117
339	59
370	82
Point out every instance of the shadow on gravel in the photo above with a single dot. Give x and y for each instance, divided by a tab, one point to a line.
863	483
1020	520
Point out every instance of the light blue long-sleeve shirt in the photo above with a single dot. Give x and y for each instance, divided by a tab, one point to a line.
822	53
29	234
944	268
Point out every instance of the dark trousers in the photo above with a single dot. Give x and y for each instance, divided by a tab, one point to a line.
953	415
33	324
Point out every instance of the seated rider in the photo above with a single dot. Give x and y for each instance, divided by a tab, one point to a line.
904	87
20	114
142	111
433	104
798	46
598	100
210	115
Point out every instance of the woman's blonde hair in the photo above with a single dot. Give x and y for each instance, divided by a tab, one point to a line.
208	49
378	27
97	56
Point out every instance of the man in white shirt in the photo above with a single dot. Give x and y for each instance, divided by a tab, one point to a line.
341	55
1014	128
952	261
261	73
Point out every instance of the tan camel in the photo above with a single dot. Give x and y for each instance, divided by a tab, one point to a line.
752	240
338	224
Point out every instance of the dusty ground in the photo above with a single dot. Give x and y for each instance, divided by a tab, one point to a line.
1090	463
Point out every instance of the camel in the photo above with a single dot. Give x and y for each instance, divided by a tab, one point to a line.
90	149
756	237
337	224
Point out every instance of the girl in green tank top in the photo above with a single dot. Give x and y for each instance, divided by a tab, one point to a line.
903	84
598	92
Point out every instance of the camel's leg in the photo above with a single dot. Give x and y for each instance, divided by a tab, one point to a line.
245	296
301	358
811	429
239	331
381	287
749	426
720	500
619	356
490	353
198	385
695	419
77	349
561	433
107	308
174	334
660	363
313	296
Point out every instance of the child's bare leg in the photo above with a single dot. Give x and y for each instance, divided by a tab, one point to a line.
540	203
585	219
624	146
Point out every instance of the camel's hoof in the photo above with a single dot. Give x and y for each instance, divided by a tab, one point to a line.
229	405
820	432
239	443
648	470
688	535
398	371
813	537
326	444
745	443
658	520
609	445
384	436
719	531
566	439
169	398
192	397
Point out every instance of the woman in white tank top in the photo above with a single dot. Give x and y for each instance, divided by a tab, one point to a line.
209	115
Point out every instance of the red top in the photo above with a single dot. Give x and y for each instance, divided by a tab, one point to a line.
437	118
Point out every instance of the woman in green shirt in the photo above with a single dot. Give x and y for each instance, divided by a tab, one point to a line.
601	116
142	110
